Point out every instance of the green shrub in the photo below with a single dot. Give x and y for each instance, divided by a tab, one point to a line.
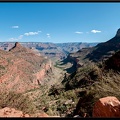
18	101
107	86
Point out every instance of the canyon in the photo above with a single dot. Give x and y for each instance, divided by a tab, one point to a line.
63	80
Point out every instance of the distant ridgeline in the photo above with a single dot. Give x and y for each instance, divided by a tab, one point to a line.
59	50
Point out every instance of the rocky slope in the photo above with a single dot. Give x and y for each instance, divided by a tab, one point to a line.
93	82
99	53
21	69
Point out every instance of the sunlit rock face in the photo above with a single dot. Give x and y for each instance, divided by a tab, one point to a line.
22	69
11	112
107	107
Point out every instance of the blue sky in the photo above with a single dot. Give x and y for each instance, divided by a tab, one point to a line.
58	22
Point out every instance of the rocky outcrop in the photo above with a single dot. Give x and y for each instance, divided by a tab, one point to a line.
11	112
47	68
21	69
107	107
106	49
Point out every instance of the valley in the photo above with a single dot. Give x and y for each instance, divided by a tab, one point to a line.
59	60
59	80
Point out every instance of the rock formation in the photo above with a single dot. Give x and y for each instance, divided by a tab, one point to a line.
107	107
21	69
11	112
106	49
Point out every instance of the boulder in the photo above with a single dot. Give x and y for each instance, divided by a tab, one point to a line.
11	112
107	107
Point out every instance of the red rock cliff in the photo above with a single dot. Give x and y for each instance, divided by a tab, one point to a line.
21	69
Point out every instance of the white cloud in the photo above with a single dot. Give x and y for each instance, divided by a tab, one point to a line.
13	39
25	34
95	31
48	35
79	32
15	26
32	33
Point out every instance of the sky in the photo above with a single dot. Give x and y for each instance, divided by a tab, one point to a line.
58	22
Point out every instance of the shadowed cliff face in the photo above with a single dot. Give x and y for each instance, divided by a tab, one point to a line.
114	62
21	69
104	50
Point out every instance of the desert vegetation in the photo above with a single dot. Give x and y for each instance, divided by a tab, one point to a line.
87	85
18	101
70	87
